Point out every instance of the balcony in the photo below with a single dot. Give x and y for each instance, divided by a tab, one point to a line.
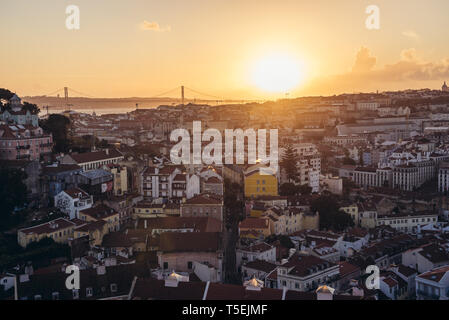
428	296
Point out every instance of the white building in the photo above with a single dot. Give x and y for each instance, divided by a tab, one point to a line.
93	160
433	284
407	222
260	251
443	177
306	273
367	106
72	201
425	258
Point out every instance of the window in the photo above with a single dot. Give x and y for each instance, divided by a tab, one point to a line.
55	295
38	297
113	287
75	294
165	265
89	292
189	265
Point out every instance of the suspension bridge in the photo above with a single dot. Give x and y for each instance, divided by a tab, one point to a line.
180	94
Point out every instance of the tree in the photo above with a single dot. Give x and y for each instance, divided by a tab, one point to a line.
13	192
58	125
304	190
5	94
288	163
330	215
349	161
34	109
288	189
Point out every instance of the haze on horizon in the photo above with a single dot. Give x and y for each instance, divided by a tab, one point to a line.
141	48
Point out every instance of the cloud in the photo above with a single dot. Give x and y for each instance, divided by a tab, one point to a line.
411	34
409	69
364	61
153	26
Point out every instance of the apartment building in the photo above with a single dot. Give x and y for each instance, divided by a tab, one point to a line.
306	273
60	230
433	285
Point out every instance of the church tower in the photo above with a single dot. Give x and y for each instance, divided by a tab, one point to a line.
445	88
16	103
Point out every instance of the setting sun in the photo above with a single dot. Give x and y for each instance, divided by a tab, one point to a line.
277	73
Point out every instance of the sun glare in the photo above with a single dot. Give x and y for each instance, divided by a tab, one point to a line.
277	73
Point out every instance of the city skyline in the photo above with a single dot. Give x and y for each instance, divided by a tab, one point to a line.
223	48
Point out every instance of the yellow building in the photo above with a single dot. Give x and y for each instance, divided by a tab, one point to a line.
147	209
255	226
60	230
258	184
95	230
120	175
102	212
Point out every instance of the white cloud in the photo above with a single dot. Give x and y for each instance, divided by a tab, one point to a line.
153	26
411	34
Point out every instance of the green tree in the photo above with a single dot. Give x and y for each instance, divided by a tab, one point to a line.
330	215
58	125
13	193
288	163
288	189
34	109
304	190
5	94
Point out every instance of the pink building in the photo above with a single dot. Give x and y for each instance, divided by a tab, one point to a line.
23	142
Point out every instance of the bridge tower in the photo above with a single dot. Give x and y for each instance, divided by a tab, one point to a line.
182	95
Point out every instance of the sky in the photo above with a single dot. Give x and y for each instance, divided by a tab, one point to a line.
140	48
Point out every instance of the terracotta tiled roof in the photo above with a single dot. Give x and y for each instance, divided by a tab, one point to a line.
95	156
346	268
261	265
99	212
436	274
75	192
189	242
253	223
259	247
116	239
205	199
52	226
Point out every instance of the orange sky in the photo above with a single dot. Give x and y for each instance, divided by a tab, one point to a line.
142	48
